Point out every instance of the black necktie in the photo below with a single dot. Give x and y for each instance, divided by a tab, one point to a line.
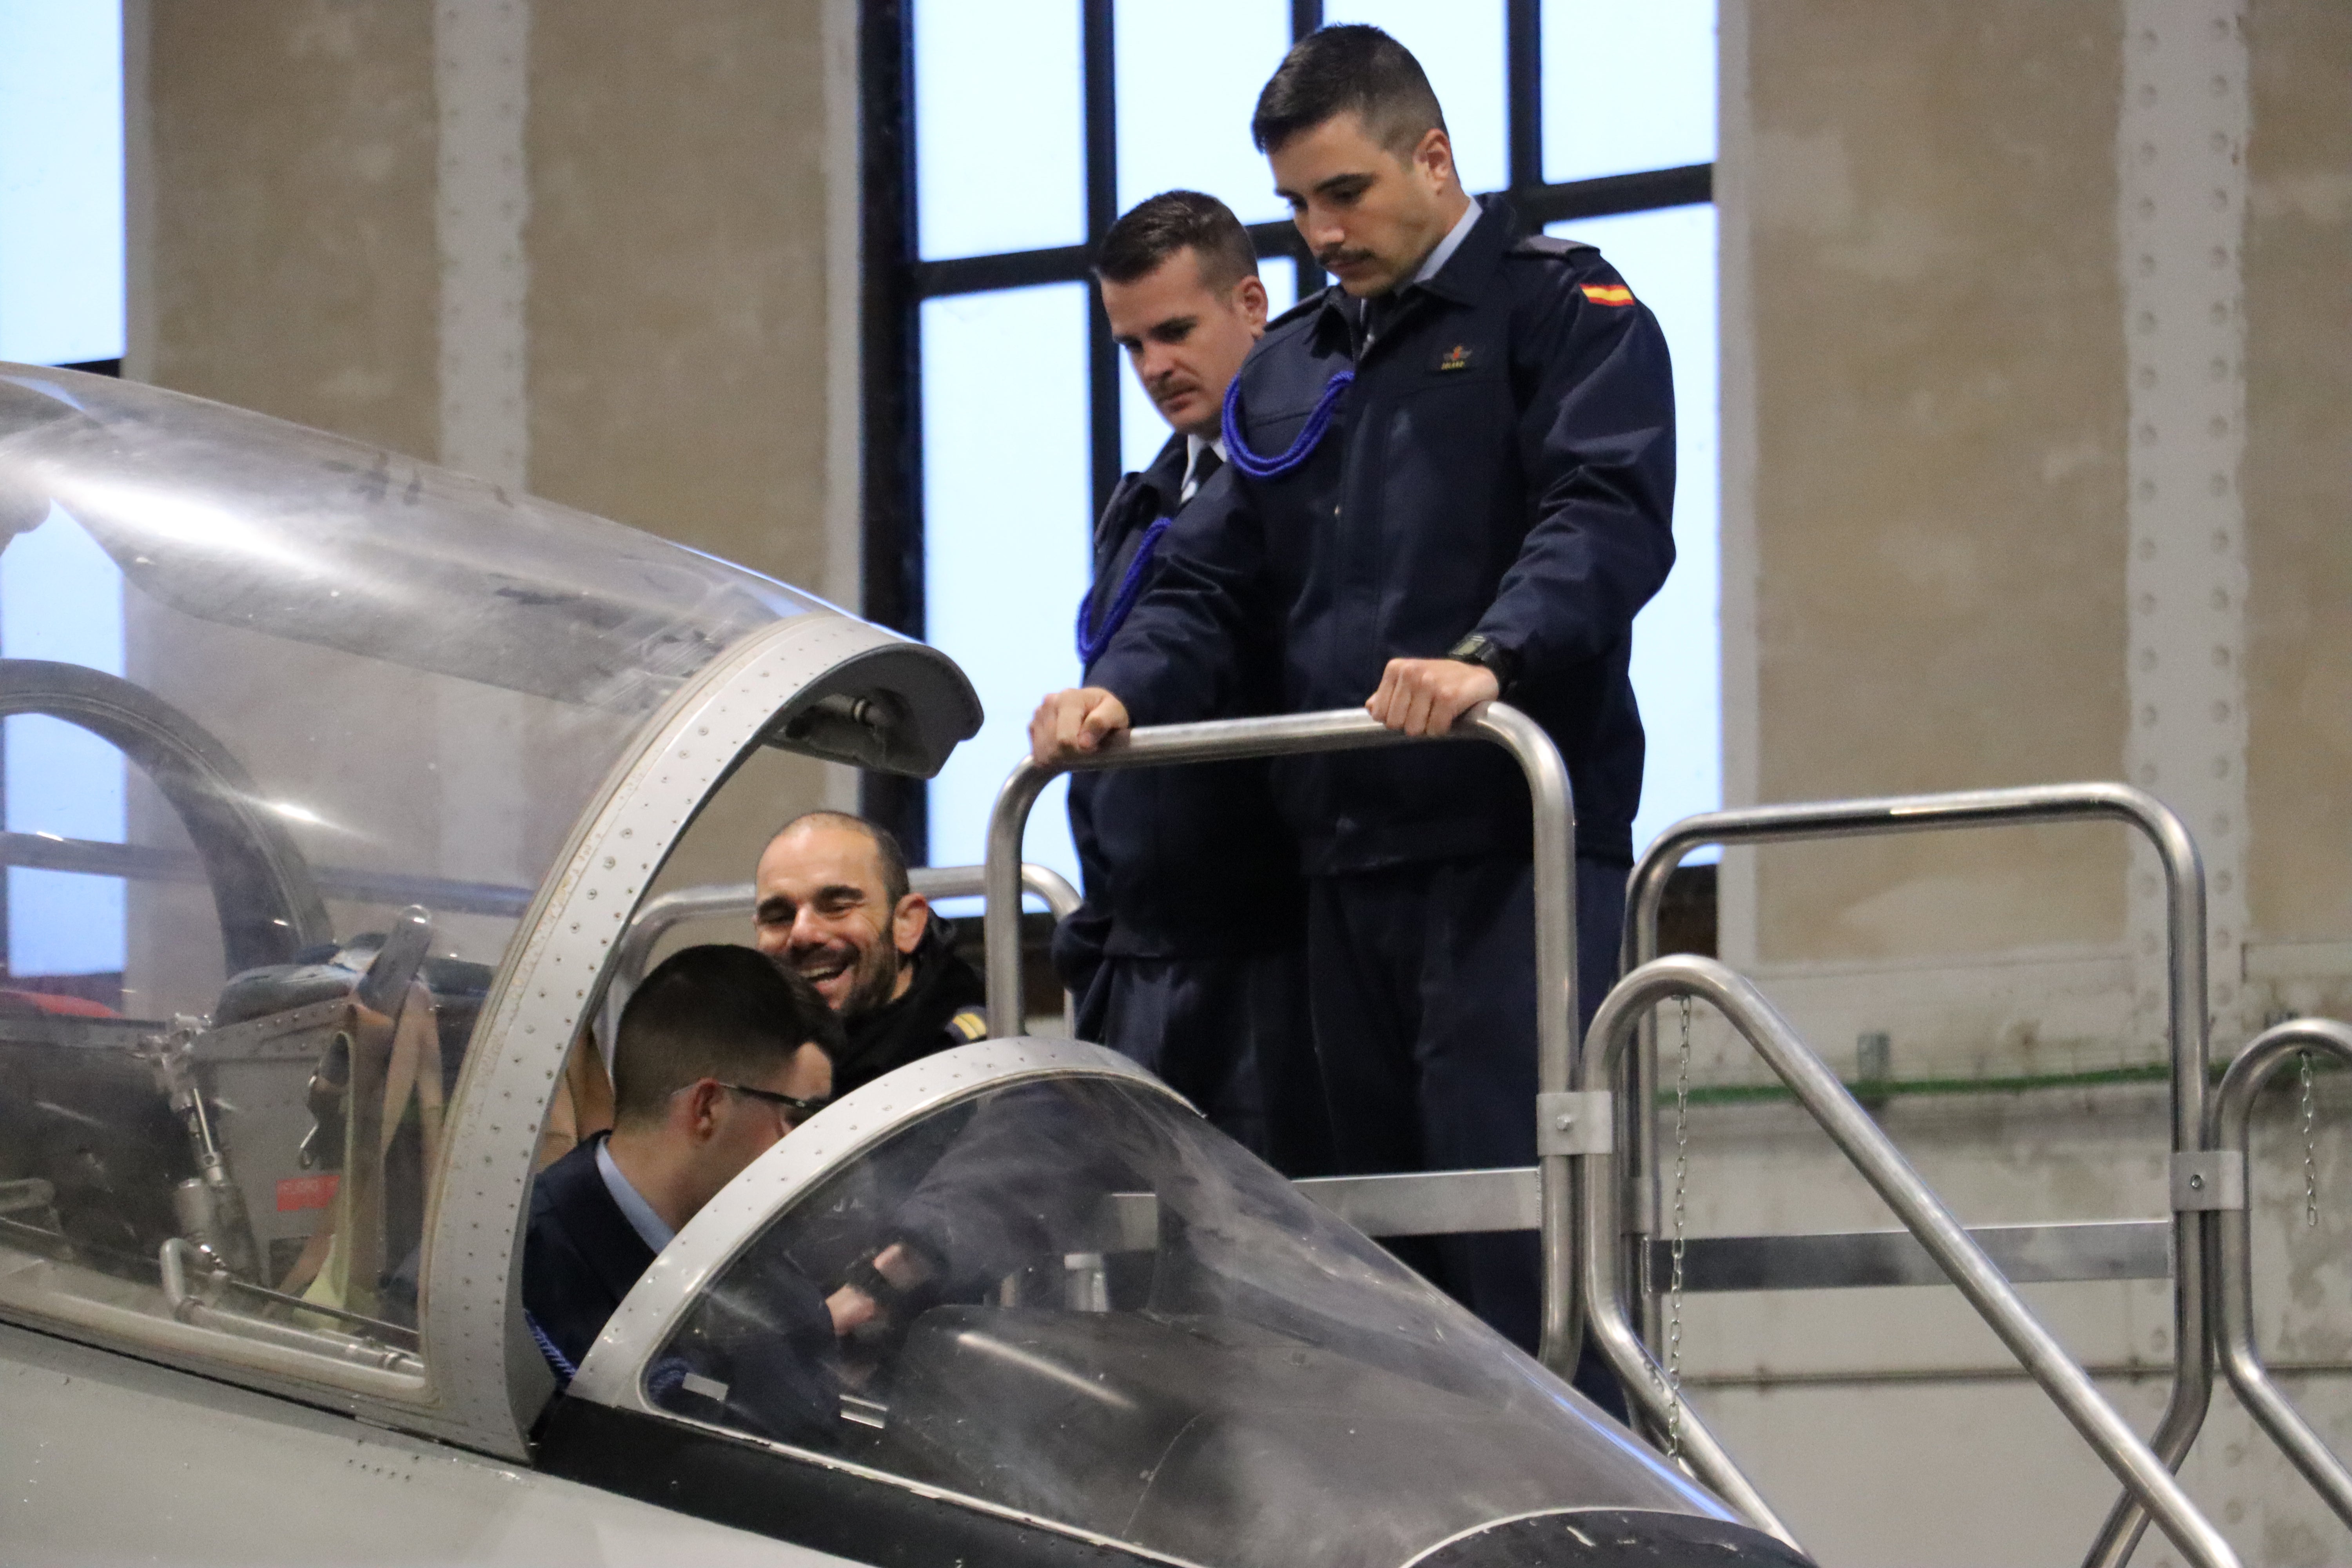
1205	468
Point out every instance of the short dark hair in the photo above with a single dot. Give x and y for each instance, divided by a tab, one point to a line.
886	848
717	1011
1157	228
1333	70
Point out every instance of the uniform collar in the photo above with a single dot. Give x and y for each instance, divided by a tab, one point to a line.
650	1227
1154	490
1165	477
1462	275
1457	271
1451	242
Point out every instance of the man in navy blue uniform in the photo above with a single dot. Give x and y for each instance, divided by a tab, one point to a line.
1454	479
1189	953
835	906
720	1053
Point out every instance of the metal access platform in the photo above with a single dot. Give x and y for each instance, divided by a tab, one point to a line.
1593	1192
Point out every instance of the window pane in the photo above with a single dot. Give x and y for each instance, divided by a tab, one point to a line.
61	600
1668	258
1005	529
1187	78
1627	86
994	83
1460	48
60	181
1141	431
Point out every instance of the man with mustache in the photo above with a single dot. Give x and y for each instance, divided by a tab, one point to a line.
1454	481
834	905
1189	953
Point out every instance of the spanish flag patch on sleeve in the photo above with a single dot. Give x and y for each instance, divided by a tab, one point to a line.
1607	294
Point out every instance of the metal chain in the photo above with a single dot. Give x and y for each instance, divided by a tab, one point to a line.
1681	1214
2310	1147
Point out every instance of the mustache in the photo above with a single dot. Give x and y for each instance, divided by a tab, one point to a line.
1330	257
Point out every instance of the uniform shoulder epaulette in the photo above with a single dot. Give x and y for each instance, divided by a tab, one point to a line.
1554	247
971	1024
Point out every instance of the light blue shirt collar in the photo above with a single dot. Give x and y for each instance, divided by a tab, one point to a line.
1450	244
634	1207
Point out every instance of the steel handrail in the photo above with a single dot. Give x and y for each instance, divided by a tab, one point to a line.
2187	1026
1869	1149
2232	1306
657	917
1346	730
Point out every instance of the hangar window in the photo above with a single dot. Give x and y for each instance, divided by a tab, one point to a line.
1001	140
62	928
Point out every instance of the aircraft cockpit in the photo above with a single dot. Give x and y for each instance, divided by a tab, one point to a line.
1106	1322
320	743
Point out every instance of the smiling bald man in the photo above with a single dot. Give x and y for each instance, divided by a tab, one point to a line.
834	904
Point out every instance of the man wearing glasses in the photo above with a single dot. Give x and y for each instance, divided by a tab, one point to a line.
721	1053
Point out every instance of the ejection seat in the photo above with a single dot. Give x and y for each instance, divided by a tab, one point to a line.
364	1037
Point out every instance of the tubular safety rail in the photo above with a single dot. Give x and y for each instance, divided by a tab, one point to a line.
1599	1259
2187	1030
1348	730
2232	1308
717	901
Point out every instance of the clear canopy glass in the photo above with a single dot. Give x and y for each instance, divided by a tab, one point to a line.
1099	1311
296	727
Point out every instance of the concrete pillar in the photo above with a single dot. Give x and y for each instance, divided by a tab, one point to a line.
1933	328
2298	504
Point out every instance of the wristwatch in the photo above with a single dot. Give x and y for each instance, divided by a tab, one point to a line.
1480	650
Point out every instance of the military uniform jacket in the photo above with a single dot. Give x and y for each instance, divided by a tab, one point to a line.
945	1005
579	1253
1503	464
1183	862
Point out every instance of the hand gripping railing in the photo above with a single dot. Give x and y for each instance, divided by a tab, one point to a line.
2186	1028
1922	1213
2233	1263
718	900
1348	730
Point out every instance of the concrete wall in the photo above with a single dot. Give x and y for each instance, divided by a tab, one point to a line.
1939	510
1935	214
590	251
2298	475
290	264
673	236
2040	457
677	247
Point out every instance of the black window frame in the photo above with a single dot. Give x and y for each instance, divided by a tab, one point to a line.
896	281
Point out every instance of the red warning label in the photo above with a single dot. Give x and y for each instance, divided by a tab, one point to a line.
296	1192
